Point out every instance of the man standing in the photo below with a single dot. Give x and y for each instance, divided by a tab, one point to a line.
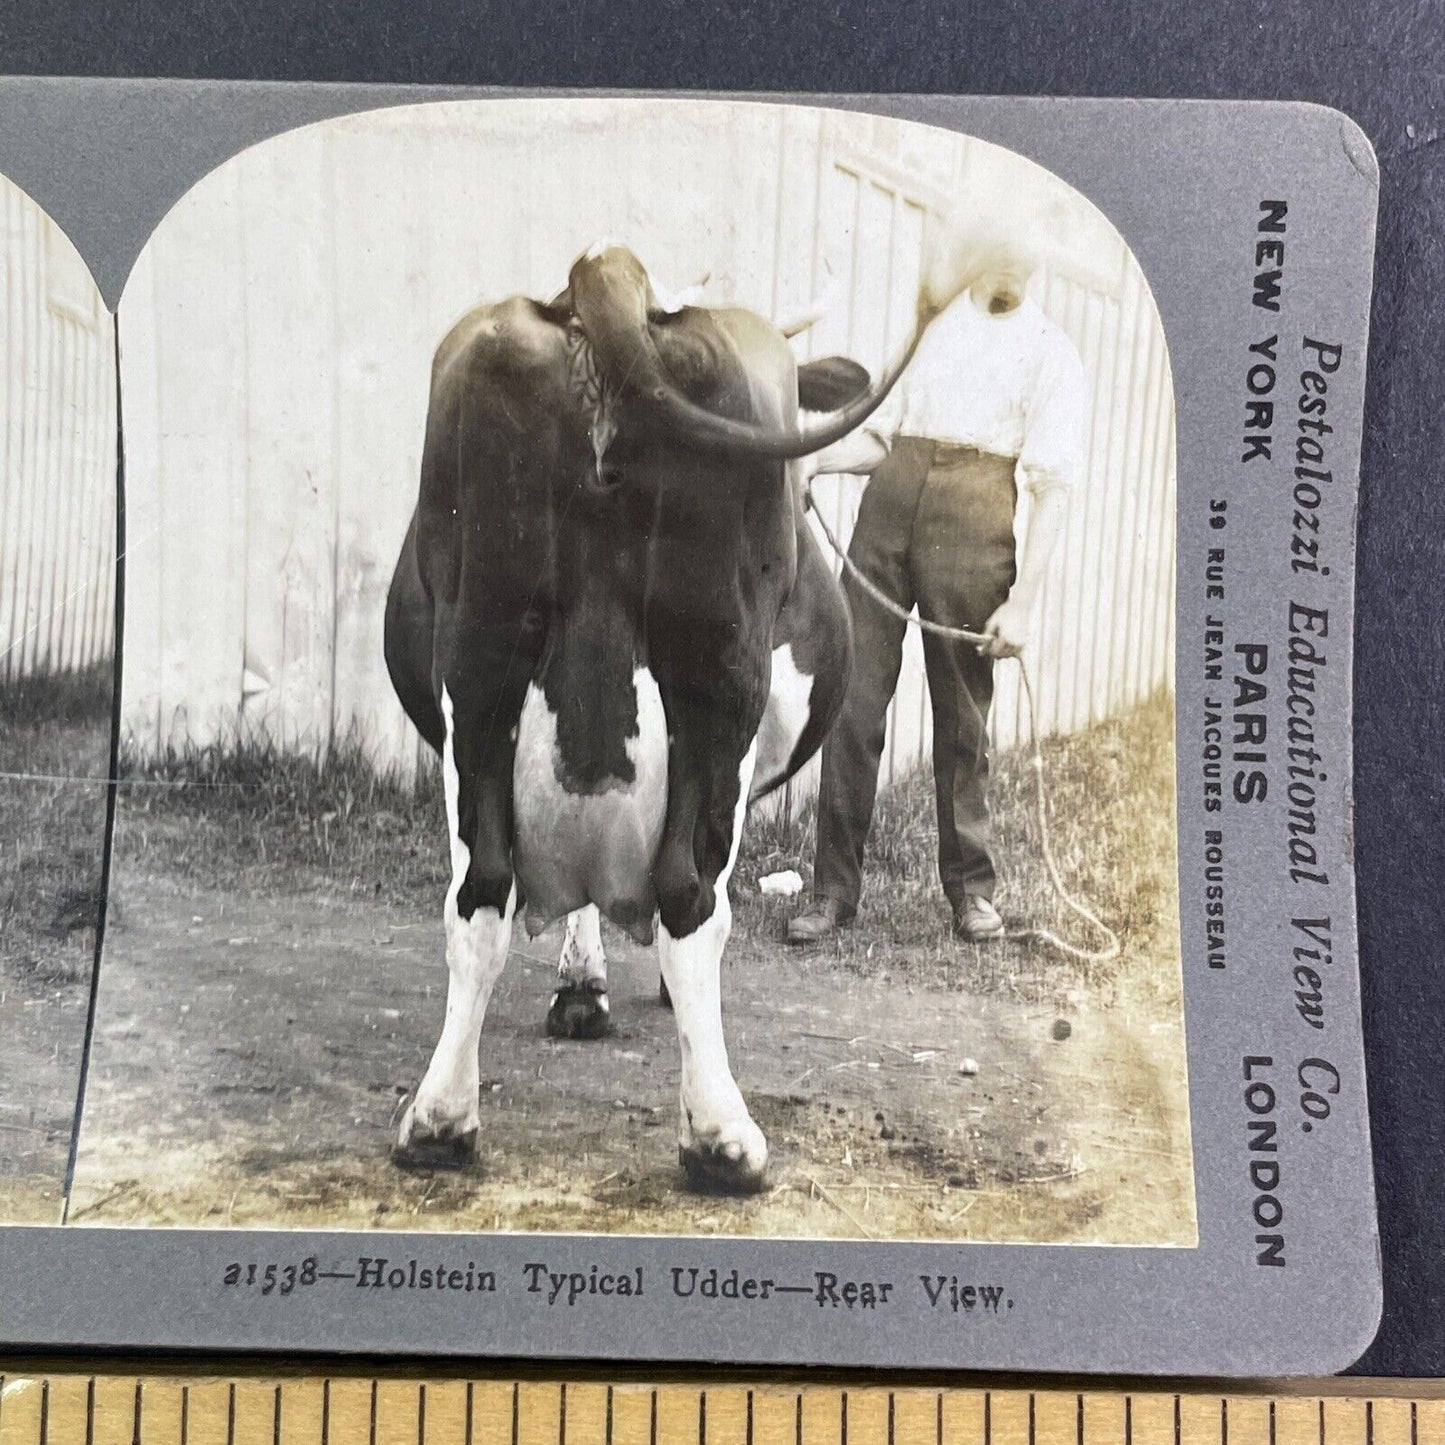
992	402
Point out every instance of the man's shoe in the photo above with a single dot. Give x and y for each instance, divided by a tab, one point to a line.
822	920
977	921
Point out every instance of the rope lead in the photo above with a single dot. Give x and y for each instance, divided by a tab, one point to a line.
1077	906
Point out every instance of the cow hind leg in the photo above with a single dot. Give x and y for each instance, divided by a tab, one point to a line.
440	1128
719	1145
579	1008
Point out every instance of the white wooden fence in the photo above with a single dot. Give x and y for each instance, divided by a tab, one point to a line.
57	446
276	338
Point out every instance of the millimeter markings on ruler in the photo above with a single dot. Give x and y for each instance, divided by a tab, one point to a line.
75	1407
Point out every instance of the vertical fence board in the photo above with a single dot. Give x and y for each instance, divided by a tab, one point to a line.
202	462
1127	540
11	501
137	325
796	280
290	468
1110	488
61	497
99	466
10	319
29	541
1158	432
380	397
57	452
71	587
1161	553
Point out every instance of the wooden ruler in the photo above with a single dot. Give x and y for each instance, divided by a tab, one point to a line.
70	1405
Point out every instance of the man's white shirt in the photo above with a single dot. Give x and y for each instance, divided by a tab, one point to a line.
1010	384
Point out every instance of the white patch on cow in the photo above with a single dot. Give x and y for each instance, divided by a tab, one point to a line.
715	1120
790	705
445	1107
583	961
573	848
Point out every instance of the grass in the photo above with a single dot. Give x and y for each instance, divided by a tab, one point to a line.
293	821
330	822
52	833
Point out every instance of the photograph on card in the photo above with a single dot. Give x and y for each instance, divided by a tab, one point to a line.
57	667
648	700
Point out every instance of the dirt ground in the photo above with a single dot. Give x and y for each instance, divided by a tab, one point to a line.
42	1029
55	735
254	1052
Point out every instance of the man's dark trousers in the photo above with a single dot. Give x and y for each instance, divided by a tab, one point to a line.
935	529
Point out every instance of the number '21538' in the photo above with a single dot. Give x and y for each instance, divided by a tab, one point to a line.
272	1278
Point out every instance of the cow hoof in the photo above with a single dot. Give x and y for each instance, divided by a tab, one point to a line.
579	1011
435	1143
458	1151
735	1165
663	997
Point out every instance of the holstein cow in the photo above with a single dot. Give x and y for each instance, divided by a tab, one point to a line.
611	620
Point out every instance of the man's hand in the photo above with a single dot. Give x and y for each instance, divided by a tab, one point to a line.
1008	629
858	453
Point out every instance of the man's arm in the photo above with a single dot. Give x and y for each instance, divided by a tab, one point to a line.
1049	466
1008	627
859	452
